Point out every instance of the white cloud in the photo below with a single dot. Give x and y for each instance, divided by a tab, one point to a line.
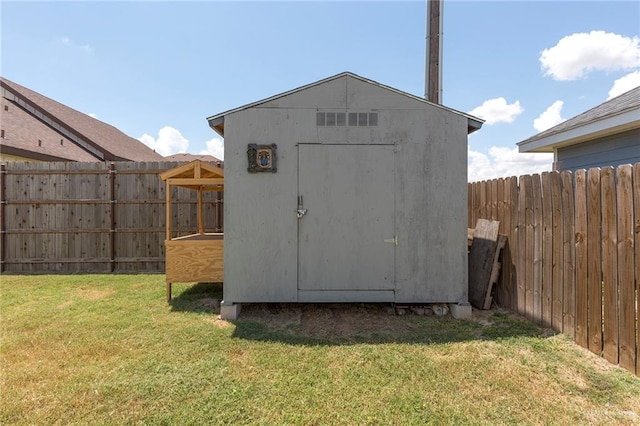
170	141
579	54
215	147
624	84
497	110
505	162
66	41
93	115
550	117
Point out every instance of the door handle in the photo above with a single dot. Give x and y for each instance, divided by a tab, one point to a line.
301	210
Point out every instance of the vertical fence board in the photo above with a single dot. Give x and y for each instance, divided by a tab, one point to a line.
547	250
512	242
537	248
594	261
500	291
626	295
557	259
609	264
581	265
568	255
494	199
522	247
469	204
528	245
636	219
482	200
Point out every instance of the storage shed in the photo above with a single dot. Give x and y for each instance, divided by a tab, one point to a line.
345	190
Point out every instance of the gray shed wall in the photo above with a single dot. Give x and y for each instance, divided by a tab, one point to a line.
261	228
623	148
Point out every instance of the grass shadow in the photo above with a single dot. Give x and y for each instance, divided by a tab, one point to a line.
201	298
347	324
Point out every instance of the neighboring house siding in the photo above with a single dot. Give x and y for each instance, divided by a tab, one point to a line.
9	157
623	148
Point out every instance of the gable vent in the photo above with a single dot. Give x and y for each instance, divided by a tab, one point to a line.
351	119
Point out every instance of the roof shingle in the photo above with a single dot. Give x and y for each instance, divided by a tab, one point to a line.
101	137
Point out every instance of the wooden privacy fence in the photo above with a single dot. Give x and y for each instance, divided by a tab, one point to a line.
92	217
573	253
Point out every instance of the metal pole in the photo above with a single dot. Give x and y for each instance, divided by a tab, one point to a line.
433	69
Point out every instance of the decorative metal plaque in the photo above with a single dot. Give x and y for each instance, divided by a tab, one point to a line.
262	158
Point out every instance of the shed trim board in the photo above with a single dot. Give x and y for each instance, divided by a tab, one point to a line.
216	122
356	212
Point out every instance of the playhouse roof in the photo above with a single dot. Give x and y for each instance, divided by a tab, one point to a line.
216	122
195	175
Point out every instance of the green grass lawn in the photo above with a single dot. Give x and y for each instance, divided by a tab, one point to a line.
107	349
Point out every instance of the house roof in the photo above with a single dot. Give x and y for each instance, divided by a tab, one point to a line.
26	136
81	134
216	122
614	116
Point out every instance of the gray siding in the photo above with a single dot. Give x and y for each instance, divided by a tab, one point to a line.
261	228
623	148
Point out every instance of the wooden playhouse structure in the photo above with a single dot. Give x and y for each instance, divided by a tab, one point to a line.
197	257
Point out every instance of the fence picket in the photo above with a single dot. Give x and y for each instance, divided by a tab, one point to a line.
625	249
568	255
609	264
537	248
557	258
582	246
636	221
594	260
547	250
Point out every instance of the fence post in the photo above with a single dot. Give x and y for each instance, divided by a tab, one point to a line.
112	216
3	202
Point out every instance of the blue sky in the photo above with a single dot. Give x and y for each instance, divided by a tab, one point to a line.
156	70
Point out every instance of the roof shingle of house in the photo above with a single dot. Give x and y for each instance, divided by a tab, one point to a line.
48	130
618	105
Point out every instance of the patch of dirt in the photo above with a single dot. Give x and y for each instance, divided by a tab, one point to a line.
336	319
65	304
92	294
211	303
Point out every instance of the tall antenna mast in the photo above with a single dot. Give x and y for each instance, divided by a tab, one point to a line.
433	67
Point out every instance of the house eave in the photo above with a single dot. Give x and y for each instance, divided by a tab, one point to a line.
608	126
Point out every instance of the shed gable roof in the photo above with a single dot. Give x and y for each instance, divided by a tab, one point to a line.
216	122
99	140
616	115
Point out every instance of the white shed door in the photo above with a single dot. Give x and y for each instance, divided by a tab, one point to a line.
346	237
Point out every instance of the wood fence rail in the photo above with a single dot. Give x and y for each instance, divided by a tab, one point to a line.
92	217
573	253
